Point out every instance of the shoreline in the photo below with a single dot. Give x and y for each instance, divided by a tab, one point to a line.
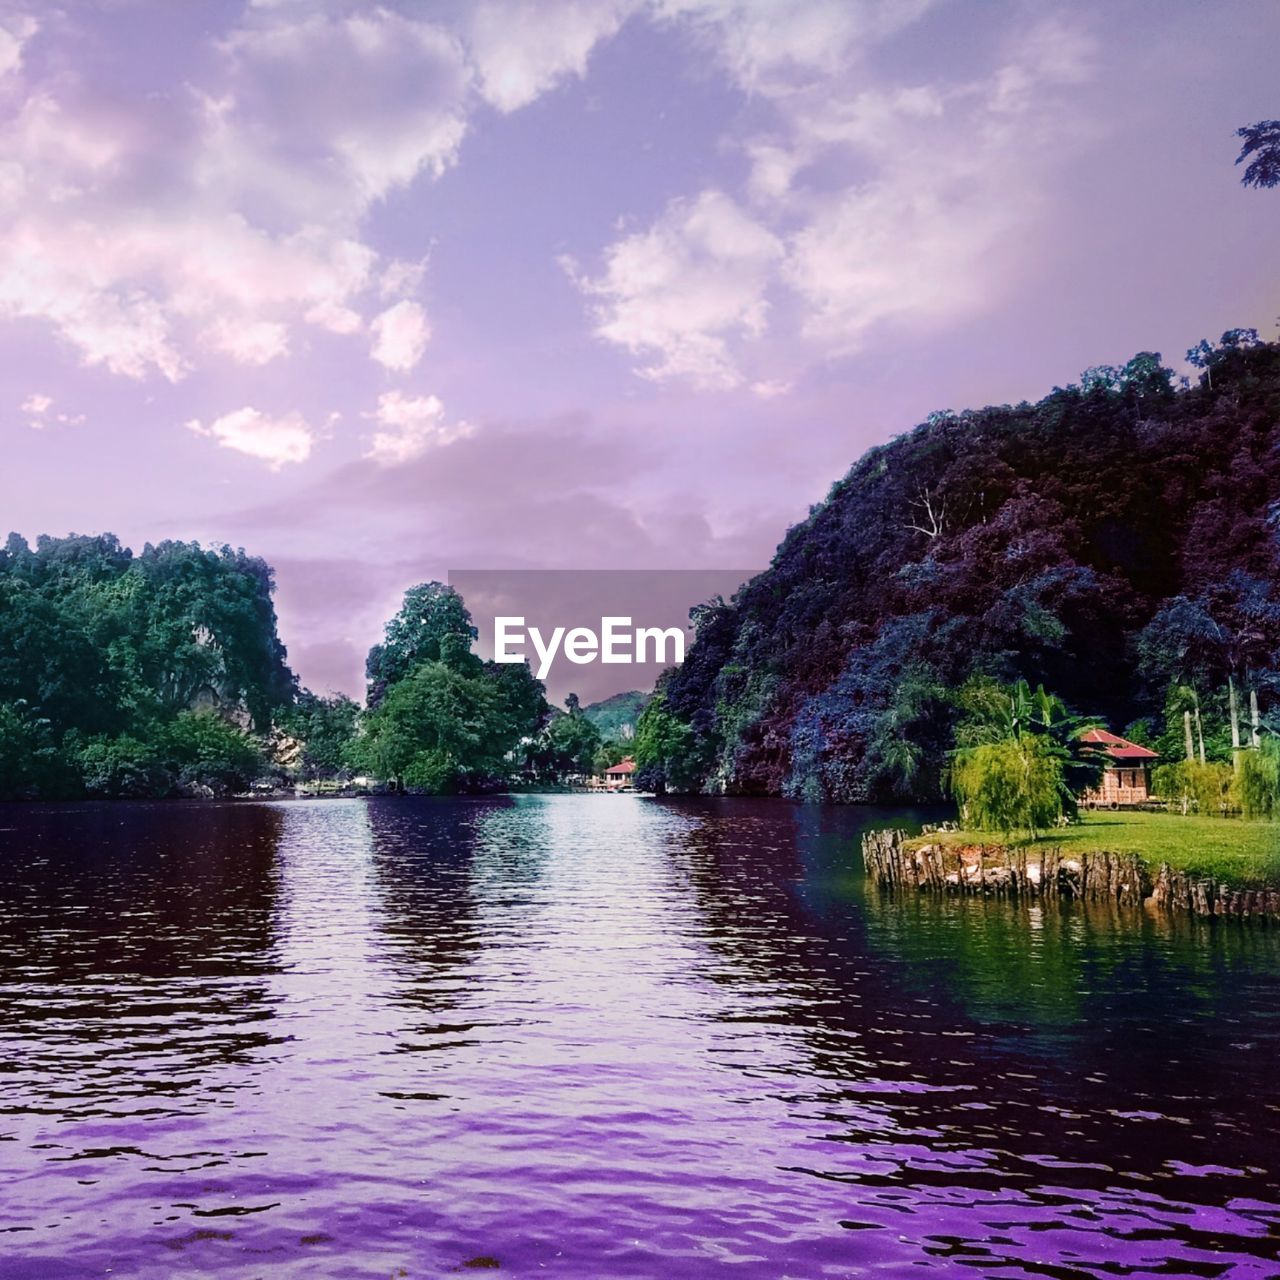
896	861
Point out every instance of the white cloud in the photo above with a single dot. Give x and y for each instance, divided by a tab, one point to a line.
409	426
252	342
770	389
935	230
393	104
773	46
677	294
522	48
908	205
37	408
143	230
334	317
400	336
274	440
15	31
400	279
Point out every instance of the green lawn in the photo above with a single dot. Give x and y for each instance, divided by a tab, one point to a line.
1227	849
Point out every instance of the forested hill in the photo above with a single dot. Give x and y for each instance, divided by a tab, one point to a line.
107	658
1118	542
616	716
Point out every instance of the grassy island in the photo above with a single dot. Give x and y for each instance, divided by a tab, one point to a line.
1233	851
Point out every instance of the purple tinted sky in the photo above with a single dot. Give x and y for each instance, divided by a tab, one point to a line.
377	292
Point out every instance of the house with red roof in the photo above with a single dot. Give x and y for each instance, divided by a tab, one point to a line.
1127	777
618	776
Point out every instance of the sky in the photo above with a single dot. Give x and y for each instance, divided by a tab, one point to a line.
380	292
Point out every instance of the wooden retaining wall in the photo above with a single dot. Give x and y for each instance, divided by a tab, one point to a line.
1000	870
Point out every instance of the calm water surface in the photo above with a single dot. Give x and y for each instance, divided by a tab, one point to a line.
602	1036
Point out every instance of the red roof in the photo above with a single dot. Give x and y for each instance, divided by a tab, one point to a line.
622	767
1116	747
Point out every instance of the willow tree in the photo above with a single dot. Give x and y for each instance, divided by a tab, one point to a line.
1014	785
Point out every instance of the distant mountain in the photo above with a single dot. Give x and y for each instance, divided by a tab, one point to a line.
1119	541
616	717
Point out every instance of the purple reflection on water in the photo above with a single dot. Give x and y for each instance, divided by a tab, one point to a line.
602	1036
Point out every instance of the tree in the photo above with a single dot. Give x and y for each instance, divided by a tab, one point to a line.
326	728
572	741
438	730
1261	147
105	652
204	752
433	625
1008	786
668	755
1256	785
993	714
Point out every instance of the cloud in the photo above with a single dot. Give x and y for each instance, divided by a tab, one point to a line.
147	230
522	48
252	342
770	388
676	294
400	279
393	106
774	46
37	408
400	336
275	441
880	204
15	31
409	426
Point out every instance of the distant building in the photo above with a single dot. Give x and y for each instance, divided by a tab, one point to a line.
1127	778
618	776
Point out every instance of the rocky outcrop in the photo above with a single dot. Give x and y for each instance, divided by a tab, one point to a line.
894	862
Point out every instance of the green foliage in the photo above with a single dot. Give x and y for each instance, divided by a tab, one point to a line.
617	716
1194	787
207	752
115	768
992	713
433	625
439	719
572	743
1255	787
326	728
102	654
1012	785
32	763
440	730
608	754
666	752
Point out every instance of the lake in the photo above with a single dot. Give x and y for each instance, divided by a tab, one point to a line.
605	1036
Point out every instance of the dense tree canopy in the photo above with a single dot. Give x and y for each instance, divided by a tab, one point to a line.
126	675
440	719
1117	542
